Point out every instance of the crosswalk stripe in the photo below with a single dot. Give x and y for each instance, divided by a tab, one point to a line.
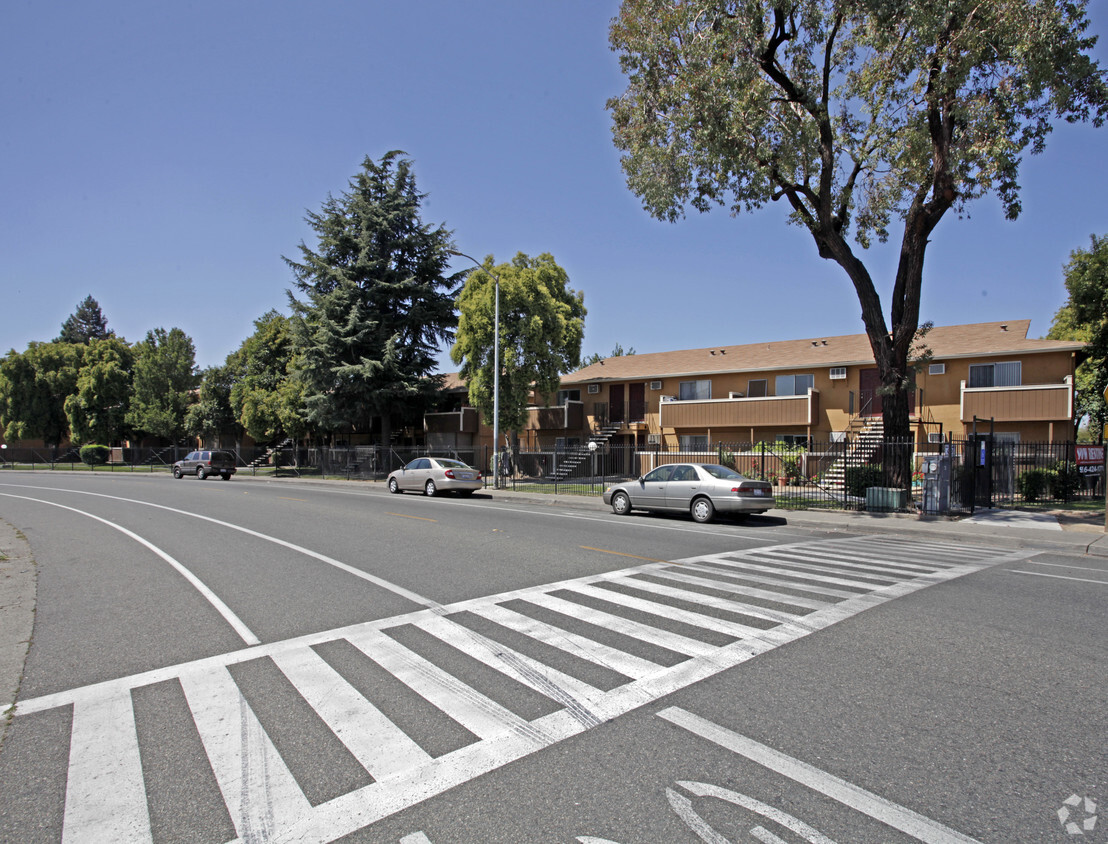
680	576
642	632
483	717
752	591
568	691
105	799
261	794
749	571
375	741
845	569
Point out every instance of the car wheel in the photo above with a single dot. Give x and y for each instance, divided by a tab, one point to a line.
201	472
177	473
621	504
394	487
430	489
702	510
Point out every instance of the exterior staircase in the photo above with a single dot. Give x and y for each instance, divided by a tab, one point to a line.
265	458
570	461
863	441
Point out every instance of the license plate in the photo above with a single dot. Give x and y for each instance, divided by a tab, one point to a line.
759	491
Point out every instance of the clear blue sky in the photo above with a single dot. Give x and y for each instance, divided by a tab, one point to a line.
161	157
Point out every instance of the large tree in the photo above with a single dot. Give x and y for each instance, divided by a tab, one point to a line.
165	383
85	324
267	398
378	301
857	113
542	325
1084	317
33	388
97	410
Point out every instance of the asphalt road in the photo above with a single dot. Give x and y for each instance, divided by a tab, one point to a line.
307	662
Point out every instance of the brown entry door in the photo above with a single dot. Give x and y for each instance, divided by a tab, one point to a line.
636	402
615	403
869	397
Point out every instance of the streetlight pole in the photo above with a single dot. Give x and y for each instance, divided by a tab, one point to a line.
495	369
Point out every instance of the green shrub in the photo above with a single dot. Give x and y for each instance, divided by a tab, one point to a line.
1066	480
857	478
1033	484
95	455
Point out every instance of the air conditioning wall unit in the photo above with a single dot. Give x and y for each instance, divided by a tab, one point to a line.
936	369
933	437
594	389
655	385
654	439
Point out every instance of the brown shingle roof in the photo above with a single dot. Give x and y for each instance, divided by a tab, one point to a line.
985	339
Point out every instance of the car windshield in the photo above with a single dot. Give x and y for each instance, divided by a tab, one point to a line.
722	472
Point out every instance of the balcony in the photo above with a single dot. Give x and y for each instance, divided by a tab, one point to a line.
1026	403
567	417
762	412
463	421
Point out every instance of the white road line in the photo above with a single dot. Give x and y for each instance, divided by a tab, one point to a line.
213	599
261	794
1059	577
746	571
1063	566
643	632
105	798
911	823
556	685
615	660
375	741
809	572
323	558
483	717
738	588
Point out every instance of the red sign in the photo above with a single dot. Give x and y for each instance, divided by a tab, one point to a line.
1090	459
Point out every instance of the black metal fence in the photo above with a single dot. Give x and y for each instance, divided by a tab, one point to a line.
951	477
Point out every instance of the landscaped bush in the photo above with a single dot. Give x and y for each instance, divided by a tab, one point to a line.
857	478
95	455
1033	484
1066	480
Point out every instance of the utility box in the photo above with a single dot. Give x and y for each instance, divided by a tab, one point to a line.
936	484
885	498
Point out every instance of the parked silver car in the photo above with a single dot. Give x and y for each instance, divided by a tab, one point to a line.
699	489
432	475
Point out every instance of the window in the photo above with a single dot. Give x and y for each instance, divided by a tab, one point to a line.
936	369
1009	374
568	396
793	385
659	475
756	389
838	373
693	390
793	439
684	473
693	442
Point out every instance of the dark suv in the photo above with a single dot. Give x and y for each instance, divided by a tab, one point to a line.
204	463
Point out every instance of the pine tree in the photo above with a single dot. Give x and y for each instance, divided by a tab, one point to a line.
87	323
377	302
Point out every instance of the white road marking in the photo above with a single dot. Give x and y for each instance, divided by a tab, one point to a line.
244	632
700	789
105	799
1059	577
912	823
323	558
262	795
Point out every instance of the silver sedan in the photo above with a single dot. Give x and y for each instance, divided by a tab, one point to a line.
700	489
432	475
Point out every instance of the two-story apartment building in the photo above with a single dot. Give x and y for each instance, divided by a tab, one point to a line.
984	376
